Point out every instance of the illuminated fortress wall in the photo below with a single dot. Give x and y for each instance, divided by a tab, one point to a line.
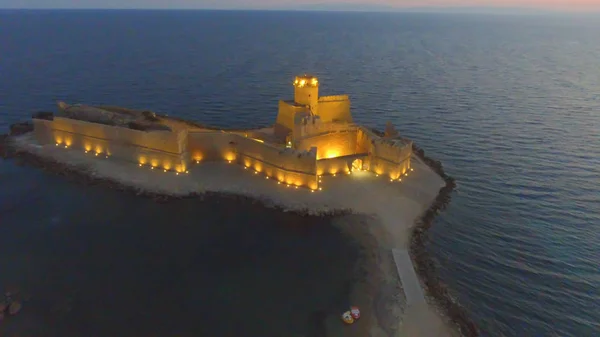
307	101
293	167
323	141
326	123
378	155
330	145
284	123
289	166
307	126
386	157
335	109
162	149
210	146
173	150
333	166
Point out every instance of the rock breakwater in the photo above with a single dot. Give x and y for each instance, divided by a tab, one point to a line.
423	262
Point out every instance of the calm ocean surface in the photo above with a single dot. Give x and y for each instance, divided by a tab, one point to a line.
510	105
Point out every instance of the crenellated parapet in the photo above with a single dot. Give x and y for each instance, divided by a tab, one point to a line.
334	98
307	102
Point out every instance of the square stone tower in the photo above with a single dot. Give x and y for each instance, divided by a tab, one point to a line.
306	92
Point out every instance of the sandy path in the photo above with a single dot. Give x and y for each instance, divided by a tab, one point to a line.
393	206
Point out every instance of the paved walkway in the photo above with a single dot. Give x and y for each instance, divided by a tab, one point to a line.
420	319
410	282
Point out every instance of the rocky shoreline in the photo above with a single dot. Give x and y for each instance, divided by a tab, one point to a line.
424	264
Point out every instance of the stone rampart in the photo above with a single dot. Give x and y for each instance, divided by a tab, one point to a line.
335	108
211	146
331	145
162	149
297	168
285	118
333	166
289	166
389	157
332	98
167	141
315	127
173	150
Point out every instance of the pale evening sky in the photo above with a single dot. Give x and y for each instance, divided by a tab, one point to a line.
577	5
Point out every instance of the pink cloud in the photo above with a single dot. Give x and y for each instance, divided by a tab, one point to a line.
550	4
556	4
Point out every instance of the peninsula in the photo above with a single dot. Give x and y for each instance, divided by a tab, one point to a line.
314	159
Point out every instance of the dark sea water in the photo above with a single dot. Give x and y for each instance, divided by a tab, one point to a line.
510	105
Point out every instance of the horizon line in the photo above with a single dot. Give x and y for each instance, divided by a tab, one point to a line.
438	9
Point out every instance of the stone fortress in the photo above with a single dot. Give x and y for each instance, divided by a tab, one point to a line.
313	136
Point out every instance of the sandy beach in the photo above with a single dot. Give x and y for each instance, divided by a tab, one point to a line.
382	215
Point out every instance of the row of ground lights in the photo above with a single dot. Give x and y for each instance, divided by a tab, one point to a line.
335	174
96	153
280	182
164	170
106	155
268	177
398	179
376	175
198	161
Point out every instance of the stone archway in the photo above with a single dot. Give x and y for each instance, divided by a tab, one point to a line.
357	164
